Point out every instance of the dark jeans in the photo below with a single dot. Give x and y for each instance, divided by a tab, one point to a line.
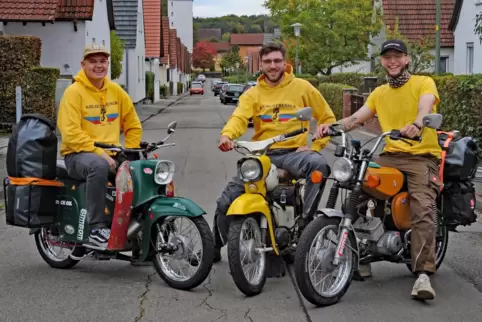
94	170
298	164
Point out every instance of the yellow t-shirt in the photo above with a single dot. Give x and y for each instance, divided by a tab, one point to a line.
397	107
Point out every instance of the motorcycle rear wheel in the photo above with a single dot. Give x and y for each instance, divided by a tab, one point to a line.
206	259
302	263
236	255
48	256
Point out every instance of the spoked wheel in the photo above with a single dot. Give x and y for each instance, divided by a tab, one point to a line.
190	263
441	245
320	282
248	267
54	252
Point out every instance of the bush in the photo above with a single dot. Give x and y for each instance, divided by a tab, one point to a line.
40	92
180	88
150	85
333	94
171	88
163	91
352	79
116	55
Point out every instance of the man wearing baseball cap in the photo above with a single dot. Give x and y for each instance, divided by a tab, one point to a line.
401	104
95	109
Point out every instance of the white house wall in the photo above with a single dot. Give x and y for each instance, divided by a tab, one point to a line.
60	43
464	33
98	30
137	75
180	18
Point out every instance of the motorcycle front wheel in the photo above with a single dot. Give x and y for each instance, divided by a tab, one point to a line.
190	263
248	267
313	259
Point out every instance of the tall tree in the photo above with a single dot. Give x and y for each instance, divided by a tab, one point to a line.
203	55
478	26
117	55
334	32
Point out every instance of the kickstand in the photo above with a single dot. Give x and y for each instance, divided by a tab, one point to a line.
357	277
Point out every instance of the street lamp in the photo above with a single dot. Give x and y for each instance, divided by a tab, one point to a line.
237	71
296	27
246	59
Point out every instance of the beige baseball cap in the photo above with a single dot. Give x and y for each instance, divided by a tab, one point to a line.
95	49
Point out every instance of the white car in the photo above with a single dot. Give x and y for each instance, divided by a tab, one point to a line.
201	77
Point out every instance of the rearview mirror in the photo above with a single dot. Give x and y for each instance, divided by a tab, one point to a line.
171	127
432	121
304	114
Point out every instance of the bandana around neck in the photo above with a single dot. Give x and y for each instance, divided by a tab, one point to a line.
399	81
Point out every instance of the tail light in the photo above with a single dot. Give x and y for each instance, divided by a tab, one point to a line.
170	189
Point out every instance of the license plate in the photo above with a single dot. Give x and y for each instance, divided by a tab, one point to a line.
236	94
235	99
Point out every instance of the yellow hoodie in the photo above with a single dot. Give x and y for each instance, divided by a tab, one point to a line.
272	107
88	115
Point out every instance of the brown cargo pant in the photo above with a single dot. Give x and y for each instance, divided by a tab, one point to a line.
424	184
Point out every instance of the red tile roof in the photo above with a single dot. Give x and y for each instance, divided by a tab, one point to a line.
165	40
152	27
46	10
172	48
416	18
221	46
247	39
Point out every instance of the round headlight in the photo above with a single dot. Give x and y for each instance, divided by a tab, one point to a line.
164	172
342	169
250	169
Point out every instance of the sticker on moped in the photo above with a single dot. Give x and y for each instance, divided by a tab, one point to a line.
147	170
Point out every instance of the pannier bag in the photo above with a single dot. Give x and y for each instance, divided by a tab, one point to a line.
31	188
461	157
459	203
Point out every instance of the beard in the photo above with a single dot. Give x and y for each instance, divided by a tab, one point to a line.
274	79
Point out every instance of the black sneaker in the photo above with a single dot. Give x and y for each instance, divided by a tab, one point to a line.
99	237
217	254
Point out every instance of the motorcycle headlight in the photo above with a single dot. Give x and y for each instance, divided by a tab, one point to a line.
342	169
250	170
164	172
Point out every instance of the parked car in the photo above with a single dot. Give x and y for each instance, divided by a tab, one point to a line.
231	93
201	77
217	87
213	85
222	91
198	83
196	88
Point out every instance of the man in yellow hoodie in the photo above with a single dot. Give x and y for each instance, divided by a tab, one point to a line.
95	109
271	104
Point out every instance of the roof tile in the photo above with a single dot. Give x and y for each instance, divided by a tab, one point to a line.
46	10
152	27
247	39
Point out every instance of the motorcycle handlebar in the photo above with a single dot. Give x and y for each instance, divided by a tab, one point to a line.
296	132
105	146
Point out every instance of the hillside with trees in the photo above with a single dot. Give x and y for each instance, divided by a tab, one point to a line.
237	24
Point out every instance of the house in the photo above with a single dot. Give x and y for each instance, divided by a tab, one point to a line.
467	44
209	34
221	49
129	19
164	62
64	27
247	42
416	19
152	29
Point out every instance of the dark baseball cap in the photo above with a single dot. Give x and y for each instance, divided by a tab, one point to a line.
394	44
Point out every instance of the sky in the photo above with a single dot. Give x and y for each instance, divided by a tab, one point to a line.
218	8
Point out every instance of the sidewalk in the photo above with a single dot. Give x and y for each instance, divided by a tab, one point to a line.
145	112
364	136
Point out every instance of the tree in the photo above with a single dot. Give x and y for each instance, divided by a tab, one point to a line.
226	36
421	59
116	55
334	33
231	57
478	26
203	55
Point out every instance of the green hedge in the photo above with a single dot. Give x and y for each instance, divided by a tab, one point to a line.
180	88
150	85
40	94
241	79
333	94
163	91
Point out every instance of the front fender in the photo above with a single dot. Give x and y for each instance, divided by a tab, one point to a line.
328	212
166	207
250	203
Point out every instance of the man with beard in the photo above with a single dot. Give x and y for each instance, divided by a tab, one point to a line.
95	109
271	104
402	104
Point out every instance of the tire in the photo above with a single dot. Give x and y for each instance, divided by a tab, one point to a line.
206	261
302	251
439	253
60	264
234	258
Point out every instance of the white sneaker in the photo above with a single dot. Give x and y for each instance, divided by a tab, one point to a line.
422	290
365	270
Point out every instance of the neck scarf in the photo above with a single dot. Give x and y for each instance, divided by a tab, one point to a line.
398	81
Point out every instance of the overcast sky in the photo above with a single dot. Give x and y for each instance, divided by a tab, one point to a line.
217	8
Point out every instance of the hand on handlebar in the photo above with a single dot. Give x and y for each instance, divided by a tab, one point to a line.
225	143
110	161
410	131
322	130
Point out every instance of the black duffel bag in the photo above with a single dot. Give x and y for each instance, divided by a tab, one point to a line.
459	202
462	158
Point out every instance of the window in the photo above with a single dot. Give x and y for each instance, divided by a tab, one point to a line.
172	13
444	61
470	58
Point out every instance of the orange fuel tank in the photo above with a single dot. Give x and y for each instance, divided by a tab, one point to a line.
401	213
382	182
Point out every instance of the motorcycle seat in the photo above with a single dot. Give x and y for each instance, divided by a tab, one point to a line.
284	176
61	170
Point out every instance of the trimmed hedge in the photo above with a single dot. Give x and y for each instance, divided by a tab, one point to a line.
180	88
40	93
163	91
234	79
333	94
150	85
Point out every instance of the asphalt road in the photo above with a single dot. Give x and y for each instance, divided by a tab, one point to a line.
32	291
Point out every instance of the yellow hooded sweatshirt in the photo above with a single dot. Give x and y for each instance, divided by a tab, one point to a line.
88	115
272	107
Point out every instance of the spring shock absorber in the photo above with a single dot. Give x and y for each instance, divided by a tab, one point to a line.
331	202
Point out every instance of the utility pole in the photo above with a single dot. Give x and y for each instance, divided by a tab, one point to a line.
437	39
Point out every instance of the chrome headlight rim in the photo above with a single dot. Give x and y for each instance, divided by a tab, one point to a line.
343	169
250	164
164	172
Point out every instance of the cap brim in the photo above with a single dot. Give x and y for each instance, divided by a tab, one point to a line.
394	48
97	52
